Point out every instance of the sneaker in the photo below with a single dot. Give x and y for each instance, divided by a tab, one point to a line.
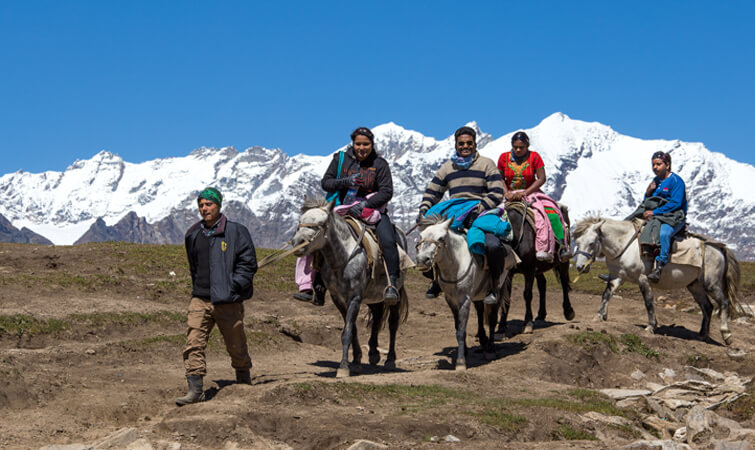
605	277
304	296
434	290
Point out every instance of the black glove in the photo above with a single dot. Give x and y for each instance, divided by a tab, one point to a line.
352	180
356	210
471	217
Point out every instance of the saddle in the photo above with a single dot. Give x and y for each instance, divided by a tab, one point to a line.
523	209
371	245
687	248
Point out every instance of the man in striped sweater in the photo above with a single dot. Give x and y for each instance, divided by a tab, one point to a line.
469	175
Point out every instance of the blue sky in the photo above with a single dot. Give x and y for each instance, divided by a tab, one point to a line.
154	79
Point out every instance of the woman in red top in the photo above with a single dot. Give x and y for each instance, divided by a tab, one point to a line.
523	173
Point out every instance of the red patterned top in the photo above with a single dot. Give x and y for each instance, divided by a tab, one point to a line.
519	175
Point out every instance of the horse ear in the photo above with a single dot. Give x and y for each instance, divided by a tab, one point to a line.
330	205
447	223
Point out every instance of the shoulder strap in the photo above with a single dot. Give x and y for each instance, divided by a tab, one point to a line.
334	195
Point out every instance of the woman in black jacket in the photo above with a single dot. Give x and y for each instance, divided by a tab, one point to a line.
365	170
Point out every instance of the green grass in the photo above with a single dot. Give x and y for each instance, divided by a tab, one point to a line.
597	405
635	345
500	419
22	324
569	433
591	339
631	342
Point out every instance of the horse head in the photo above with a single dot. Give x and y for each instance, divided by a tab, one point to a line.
312	227
431	239
587	236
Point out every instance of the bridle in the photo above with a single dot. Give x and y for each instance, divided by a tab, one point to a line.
280	254
436	271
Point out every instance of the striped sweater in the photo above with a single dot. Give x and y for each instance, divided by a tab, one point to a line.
481	181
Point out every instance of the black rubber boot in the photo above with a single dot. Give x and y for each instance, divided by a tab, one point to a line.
318	294
564	253
243	376
655	275
434	290
196	392
390	295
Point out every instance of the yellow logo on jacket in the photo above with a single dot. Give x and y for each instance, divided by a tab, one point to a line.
223	245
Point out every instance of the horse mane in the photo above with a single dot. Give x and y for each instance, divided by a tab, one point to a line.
430	220
313	202
584	224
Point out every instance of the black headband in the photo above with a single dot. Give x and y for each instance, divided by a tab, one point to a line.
665	157
363	131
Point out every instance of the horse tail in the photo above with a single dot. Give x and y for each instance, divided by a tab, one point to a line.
403	305
403	311
731	283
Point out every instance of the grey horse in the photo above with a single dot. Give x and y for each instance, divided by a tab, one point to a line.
614	239
346	273
463	279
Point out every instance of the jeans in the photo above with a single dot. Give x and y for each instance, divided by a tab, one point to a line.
387	237
667	232
496	254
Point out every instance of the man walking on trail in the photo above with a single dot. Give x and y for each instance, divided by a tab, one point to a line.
222	262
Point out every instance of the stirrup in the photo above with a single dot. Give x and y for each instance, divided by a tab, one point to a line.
390	301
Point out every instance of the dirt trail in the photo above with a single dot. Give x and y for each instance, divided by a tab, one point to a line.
119	365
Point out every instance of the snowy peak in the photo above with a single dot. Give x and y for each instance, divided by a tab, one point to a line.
589	166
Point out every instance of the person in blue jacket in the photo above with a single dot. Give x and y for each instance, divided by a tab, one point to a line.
669	186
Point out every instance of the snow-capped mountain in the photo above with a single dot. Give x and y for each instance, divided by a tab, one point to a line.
590	167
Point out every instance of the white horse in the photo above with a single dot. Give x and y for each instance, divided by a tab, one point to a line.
463	280
615	240
346	273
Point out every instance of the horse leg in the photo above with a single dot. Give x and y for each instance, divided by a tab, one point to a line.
349	337
698	292
722	299
541	286
377	310
491	313
611	287
393	321
563	275
505	305
647	294
529	278
461	334
481	335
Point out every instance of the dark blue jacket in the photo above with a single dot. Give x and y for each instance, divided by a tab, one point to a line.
233	261
673	190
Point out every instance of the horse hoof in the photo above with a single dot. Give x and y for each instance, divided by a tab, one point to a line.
727	338
528	328
650	330
461	367
374	358
540	319
343	372
498	337
569	315
599	318
489	356
390	365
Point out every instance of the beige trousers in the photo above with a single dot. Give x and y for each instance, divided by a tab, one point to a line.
203	315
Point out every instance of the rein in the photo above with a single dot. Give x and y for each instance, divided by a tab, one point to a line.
436	269
281	253
592	256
